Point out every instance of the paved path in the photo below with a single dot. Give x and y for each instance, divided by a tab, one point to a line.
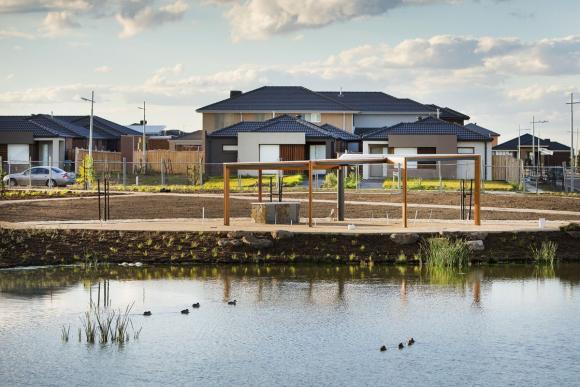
305	200
321	225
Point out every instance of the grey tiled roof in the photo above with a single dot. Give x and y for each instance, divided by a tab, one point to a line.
339	133
427	126
481	130
285	124
45	125
294	99
448	113
526	140
299	99
376	101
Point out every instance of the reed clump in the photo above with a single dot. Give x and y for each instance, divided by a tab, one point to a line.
108	325
444	253
545	253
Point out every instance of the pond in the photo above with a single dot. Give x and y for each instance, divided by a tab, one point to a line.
296	325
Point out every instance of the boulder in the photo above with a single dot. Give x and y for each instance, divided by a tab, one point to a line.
475	245
223	242
282	234
238	234
475	236
257	243
405	238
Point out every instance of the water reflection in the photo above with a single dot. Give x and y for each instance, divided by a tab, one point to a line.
40	282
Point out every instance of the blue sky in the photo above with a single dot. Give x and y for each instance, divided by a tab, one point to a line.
499	61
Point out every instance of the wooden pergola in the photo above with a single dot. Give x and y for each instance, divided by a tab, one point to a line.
347	160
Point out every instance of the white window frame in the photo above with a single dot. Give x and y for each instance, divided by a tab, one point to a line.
229	148
313	117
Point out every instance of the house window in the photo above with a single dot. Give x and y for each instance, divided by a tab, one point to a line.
229	148
312	117
427	164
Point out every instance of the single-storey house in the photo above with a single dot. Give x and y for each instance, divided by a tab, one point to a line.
43	137
552	153
428	136
282	138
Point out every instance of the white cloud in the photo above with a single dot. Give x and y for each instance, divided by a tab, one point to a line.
134	19
259	19
9	77
103	69
59	23
12	33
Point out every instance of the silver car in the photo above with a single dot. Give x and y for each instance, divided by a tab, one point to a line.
45	175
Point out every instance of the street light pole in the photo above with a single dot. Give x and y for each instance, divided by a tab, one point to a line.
92	101
144	137
572	153
534	122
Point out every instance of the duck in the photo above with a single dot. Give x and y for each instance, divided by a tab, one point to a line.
185	311
383	348
234	302
411	341
401	346
196	305
147	313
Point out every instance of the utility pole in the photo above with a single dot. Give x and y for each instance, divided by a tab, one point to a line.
92	101
572	153
536	164
144	137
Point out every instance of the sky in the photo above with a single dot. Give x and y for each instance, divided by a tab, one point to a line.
502	62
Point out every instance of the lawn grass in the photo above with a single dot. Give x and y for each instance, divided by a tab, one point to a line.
449	185
213	184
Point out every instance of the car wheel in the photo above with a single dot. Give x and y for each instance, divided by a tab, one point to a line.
12	183
51	183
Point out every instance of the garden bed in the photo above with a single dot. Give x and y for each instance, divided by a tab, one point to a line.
32	247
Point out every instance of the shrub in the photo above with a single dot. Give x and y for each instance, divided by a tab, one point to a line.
571	227
330	180
545	253
445	253
86	171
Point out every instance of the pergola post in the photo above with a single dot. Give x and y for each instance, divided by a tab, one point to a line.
340	194
477	193
260	185
310	194
404	180
226	195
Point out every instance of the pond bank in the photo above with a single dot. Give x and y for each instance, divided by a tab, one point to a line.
41	247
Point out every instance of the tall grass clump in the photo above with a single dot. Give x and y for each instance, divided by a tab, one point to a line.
445	253
108	326
545	253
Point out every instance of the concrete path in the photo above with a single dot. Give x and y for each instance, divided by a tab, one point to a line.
321	225
252	198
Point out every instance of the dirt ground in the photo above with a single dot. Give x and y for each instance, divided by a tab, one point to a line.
161	206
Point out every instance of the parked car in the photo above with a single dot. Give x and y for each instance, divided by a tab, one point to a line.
44	175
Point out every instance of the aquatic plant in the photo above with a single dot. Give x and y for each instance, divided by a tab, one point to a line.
545	253
107	325
64	333
445	253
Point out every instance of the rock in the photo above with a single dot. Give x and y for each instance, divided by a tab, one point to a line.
405	238
223	242
238	234
475	245
282	234
475	236
257	243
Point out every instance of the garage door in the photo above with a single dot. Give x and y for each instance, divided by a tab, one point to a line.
465	168
18	153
